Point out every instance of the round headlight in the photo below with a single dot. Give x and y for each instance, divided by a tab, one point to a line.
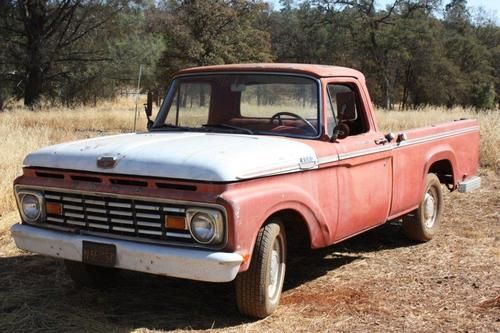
31	207
203	227
206	225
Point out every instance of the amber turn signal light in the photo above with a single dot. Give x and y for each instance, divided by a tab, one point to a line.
53	208
175	222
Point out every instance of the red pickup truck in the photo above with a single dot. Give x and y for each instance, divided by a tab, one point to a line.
242	163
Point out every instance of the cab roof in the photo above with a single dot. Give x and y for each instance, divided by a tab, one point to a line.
318	71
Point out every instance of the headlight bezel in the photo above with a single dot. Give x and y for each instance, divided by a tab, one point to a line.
20	195
217	218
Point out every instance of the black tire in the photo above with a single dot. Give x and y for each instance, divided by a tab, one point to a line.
422	224
85	275
258	290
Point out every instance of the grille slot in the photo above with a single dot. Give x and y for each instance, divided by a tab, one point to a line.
49	175
128	182
176	186
86	179
117	216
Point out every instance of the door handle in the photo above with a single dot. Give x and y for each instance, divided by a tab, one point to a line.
381	141
386	139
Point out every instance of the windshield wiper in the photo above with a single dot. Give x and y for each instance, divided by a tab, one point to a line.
231	127
170	126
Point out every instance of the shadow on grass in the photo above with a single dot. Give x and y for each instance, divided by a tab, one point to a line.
36	293
308	265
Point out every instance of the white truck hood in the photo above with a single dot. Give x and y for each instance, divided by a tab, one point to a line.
183	155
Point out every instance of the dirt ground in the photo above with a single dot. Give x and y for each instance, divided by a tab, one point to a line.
376	282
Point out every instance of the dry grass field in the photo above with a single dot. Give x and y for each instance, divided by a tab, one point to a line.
377	282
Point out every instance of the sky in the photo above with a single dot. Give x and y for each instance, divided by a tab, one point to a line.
492	7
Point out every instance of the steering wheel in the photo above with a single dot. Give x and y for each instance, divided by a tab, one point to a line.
293	115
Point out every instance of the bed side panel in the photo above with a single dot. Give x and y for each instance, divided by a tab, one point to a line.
457	142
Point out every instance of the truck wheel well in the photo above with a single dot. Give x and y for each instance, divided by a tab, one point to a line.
297	233
444	170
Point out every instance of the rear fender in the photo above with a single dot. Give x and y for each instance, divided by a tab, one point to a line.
440	153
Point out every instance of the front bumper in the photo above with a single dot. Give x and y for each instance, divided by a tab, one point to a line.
155	259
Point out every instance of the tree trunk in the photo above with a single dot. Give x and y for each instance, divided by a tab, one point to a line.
33	88
33	13
387	91
406	86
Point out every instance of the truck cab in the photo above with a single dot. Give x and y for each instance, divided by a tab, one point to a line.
241	163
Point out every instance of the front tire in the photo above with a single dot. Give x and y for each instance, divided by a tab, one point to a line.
422	224
258	290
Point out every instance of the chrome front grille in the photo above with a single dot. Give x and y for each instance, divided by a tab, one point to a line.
118	216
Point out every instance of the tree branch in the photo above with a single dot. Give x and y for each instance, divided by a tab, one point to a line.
74	38
60	14
80	59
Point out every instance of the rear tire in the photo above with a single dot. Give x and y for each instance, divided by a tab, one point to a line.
85	275
422	224
258	290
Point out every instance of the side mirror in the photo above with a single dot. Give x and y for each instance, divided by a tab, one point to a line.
341	131
148	108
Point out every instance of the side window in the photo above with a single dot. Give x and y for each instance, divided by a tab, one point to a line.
191	105
345	105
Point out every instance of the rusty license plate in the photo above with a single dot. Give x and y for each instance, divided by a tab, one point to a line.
99	254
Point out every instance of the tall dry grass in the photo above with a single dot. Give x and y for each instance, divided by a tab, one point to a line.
489	122
24	131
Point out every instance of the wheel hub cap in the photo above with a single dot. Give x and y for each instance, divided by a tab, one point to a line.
429	210
273	272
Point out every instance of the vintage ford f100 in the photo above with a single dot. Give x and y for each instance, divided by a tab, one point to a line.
241	163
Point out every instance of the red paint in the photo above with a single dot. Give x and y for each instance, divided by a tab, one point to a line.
339	199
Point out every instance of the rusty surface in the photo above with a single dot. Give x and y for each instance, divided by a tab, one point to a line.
313	70
357	185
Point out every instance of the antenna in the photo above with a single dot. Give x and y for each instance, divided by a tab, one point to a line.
137	96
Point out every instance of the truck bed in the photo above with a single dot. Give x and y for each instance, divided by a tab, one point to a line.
455	144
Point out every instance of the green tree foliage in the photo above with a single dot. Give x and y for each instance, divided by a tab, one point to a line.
299	34
410	54
67	49
125	48
488	35
473	60
207	32
10	51
413	52
43	36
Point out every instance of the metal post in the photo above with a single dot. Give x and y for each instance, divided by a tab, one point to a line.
137	96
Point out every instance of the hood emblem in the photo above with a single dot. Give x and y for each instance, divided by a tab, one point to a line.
106	162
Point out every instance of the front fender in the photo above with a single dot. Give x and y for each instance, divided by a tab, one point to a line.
252	205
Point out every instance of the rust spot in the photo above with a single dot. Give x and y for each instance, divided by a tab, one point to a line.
246	257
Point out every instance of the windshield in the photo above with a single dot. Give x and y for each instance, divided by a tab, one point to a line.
272	104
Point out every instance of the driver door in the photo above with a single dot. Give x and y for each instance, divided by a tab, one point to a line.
364	172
